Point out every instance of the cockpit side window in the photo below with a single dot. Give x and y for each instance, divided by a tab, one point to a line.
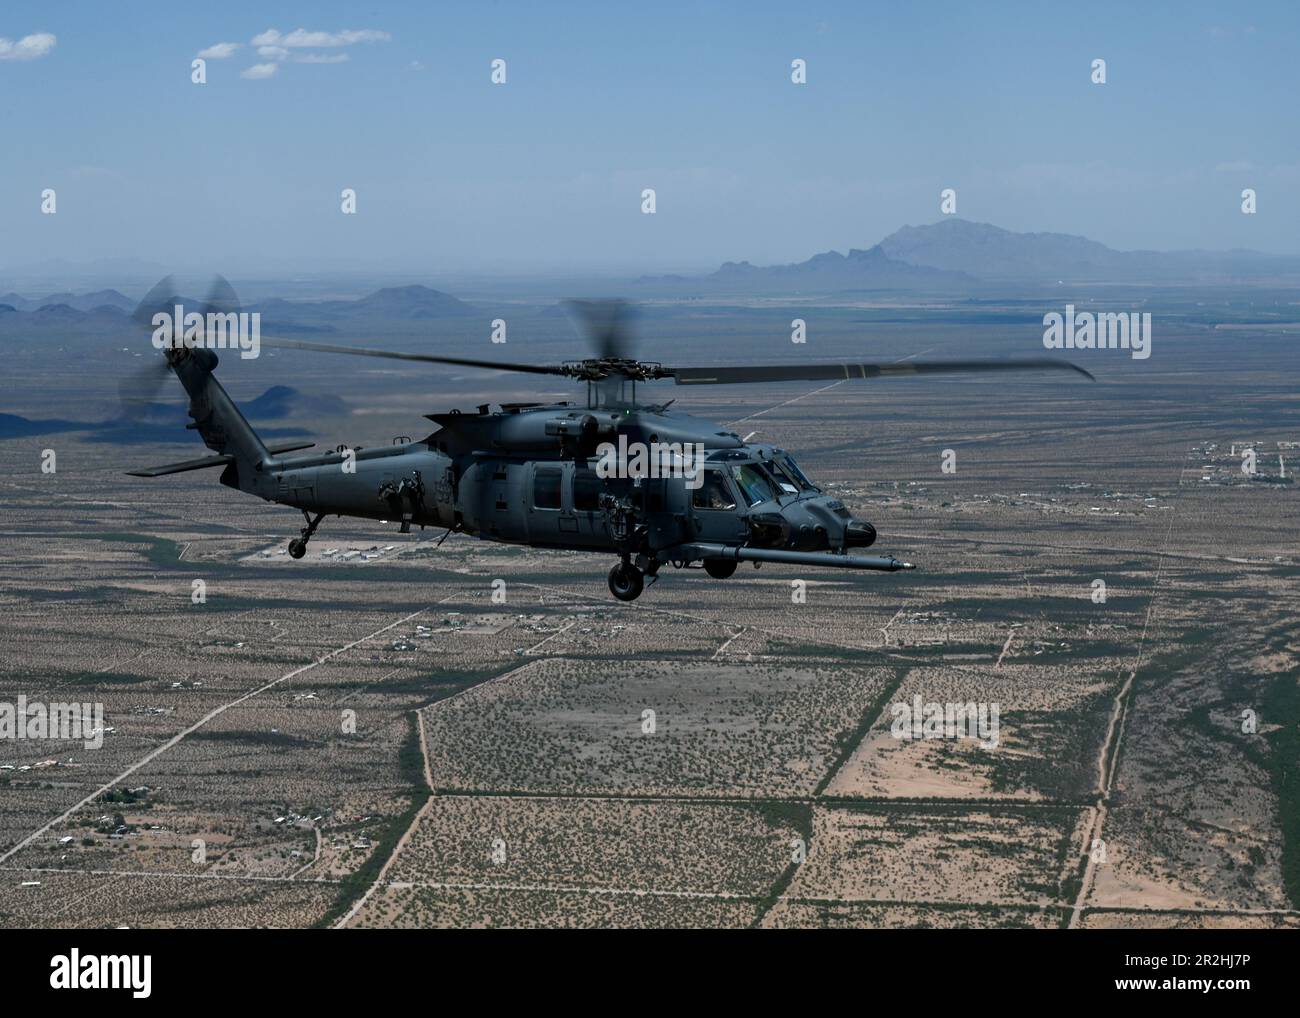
753	484
713	493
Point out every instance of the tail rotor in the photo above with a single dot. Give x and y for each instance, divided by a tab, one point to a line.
139	392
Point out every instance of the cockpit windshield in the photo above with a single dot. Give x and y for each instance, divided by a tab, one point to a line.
753	483
795	474
785	484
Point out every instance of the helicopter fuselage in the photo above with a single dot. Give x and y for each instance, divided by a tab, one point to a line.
542	476
649	485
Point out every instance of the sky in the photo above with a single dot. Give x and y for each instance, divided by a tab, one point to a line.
544	174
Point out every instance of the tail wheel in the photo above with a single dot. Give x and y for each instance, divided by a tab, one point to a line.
626	582
719	568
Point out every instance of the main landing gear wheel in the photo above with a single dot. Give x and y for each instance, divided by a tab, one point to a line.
719	568
297	548
626	581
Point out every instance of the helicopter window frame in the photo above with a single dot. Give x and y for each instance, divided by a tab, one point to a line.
745	485
545	474
724	485
796	472
788	484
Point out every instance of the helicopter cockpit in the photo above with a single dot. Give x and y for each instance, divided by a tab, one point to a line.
771	478
760	494
758	474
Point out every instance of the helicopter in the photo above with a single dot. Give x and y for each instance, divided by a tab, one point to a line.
651	485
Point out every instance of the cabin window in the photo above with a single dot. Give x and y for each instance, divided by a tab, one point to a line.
587	489
546	487
714	493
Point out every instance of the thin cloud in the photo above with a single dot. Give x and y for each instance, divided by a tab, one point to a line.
221	51
29	47
300	38
277	48
279	53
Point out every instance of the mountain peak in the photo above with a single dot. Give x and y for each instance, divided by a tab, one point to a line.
861	269
990	252
414	301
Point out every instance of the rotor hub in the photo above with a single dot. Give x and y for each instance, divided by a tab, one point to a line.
596	369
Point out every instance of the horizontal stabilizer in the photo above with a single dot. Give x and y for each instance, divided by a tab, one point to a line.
203	462
180	468
275	449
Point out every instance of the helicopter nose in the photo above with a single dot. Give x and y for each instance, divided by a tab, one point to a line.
809	525
859	534
810	537
821	524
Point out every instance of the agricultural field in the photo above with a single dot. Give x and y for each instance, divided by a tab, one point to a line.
376	735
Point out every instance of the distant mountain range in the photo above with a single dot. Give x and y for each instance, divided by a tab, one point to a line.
990	253
873	267
955	255
106	307
84	302
163	422
952	257
407	303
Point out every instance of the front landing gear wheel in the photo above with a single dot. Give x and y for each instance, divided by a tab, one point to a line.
297	548
719	568
626	581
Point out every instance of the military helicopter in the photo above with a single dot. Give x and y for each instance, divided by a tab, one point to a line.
531	473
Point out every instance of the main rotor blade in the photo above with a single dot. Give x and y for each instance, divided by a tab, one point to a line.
464	362
607	326
849	372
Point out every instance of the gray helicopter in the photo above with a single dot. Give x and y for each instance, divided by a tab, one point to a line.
650	485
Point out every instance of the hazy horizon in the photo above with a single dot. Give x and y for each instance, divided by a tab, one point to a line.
542	176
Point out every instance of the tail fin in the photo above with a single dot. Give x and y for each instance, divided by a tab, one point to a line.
216	418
